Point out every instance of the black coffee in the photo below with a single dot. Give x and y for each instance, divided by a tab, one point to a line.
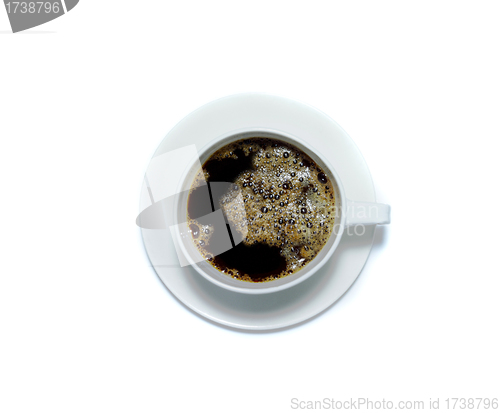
276	197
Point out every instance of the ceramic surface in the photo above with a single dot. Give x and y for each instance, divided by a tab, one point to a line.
331	281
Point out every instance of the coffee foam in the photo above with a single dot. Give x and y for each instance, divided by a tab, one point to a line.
284	200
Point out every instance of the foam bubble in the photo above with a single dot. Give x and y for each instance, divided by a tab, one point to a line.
285	201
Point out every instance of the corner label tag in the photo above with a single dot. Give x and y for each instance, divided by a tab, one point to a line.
24	15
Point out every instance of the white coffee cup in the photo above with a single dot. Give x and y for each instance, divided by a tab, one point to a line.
349	214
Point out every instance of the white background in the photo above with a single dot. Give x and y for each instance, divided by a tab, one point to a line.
85	323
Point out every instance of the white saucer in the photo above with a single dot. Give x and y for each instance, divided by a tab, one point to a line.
301	302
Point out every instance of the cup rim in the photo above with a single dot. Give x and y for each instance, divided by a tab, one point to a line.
306	273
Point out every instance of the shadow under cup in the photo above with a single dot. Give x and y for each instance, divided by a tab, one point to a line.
189	254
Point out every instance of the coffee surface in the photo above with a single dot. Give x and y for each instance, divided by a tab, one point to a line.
277	199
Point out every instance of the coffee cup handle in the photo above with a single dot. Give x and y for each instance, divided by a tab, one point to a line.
367	213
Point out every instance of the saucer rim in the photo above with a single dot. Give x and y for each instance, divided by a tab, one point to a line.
278	103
